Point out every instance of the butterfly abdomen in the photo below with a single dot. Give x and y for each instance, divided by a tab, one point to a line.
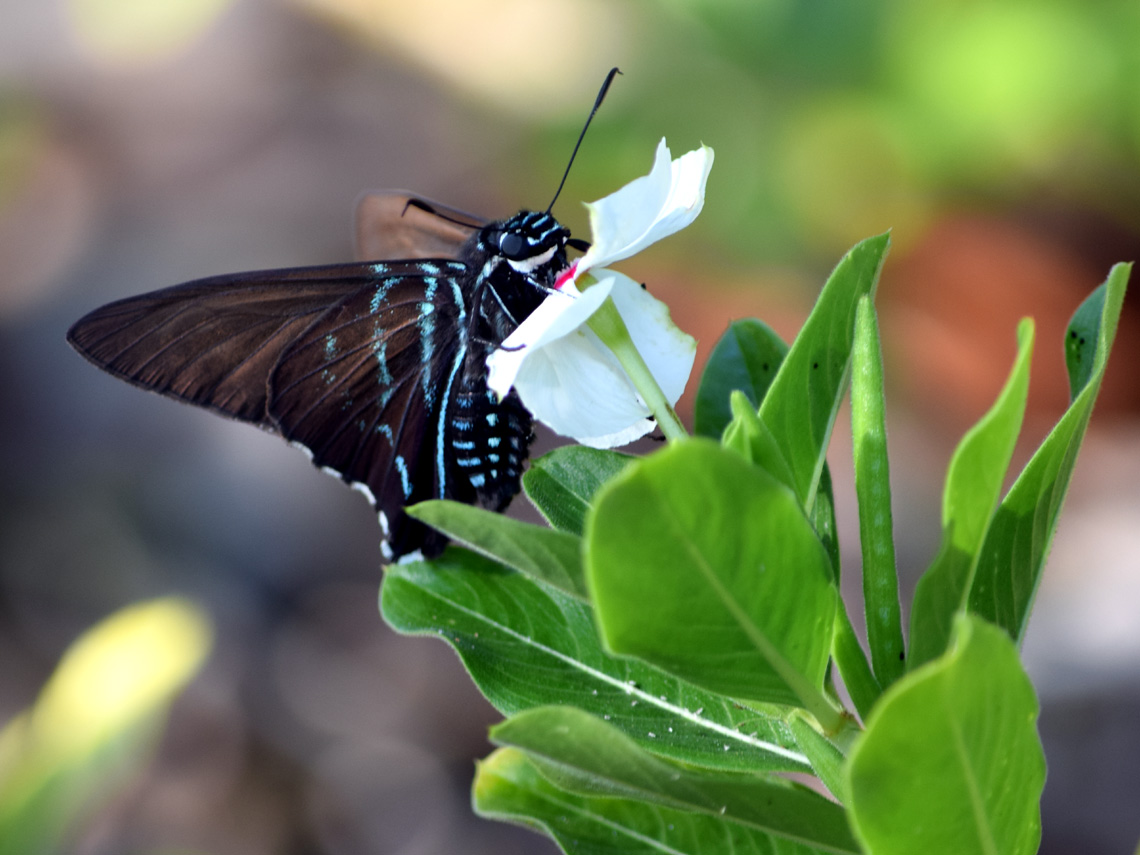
487	442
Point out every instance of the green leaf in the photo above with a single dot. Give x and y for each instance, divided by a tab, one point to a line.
586	756
873	490
845	648
745	360
750	438
951	761
509	787
803	400
827	761
553	557
707	567
1082	338
1013	555
857	675
973	485
527	645
822	517
562	484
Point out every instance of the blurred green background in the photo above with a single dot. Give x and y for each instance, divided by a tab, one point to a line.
143	144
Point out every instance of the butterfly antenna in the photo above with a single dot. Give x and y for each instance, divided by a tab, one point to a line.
424	206
597	103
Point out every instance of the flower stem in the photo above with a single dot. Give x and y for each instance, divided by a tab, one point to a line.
611	329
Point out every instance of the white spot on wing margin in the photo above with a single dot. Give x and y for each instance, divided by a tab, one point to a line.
385	547
360	487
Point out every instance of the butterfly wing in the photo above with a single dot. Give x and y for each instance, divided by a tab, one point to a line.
391	224
213	342
348	361
366	390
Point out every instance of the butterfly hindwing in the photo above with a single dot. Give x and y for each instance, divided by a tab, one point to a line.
347	361
393	224
365	390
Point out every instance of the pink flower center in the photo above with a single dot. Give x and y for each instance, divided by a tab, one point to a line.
566	275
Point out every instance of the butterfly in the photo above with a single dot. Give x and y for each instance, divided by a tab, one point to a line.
376	369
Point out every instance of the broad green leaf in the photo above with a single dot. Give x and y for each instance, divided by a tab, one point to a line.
586	756
745	360
802	402
1013	555
527	645
562	484
509	787
551	556
707	567
873	490
951	761
95	721
973	484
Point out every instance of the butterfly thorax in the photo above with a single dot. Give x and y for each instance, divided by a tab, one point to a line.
515	263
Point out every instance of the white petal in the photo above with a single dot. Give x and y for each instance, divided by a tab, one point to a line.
575	384
667	350
622	437
556	316
648	208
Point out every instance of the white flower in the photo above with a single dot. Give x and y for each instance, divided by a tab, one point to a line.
648	208
564	373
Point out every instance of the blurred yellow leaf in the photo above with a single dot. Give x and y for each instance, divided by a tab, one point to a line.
97	713
119	671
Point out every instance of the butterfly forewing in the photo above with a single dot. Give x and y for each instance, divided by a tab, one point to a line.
213	342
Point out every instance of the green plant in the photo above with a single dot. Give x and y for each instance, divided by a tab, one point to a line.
665	651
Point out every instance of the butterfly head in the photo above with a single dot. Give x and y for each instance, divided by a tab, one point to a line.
533	243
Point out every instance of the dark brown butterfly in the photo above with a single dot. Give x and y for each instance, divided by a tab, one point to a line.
376	369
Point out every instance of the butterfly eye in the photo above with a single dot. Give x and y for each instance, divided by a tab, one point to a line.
512	245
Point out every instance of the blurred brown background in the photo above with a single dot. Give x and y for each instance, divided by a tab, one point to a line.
143	144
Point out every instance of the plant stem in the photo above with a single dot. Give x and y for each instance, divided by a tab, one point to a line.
611	329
